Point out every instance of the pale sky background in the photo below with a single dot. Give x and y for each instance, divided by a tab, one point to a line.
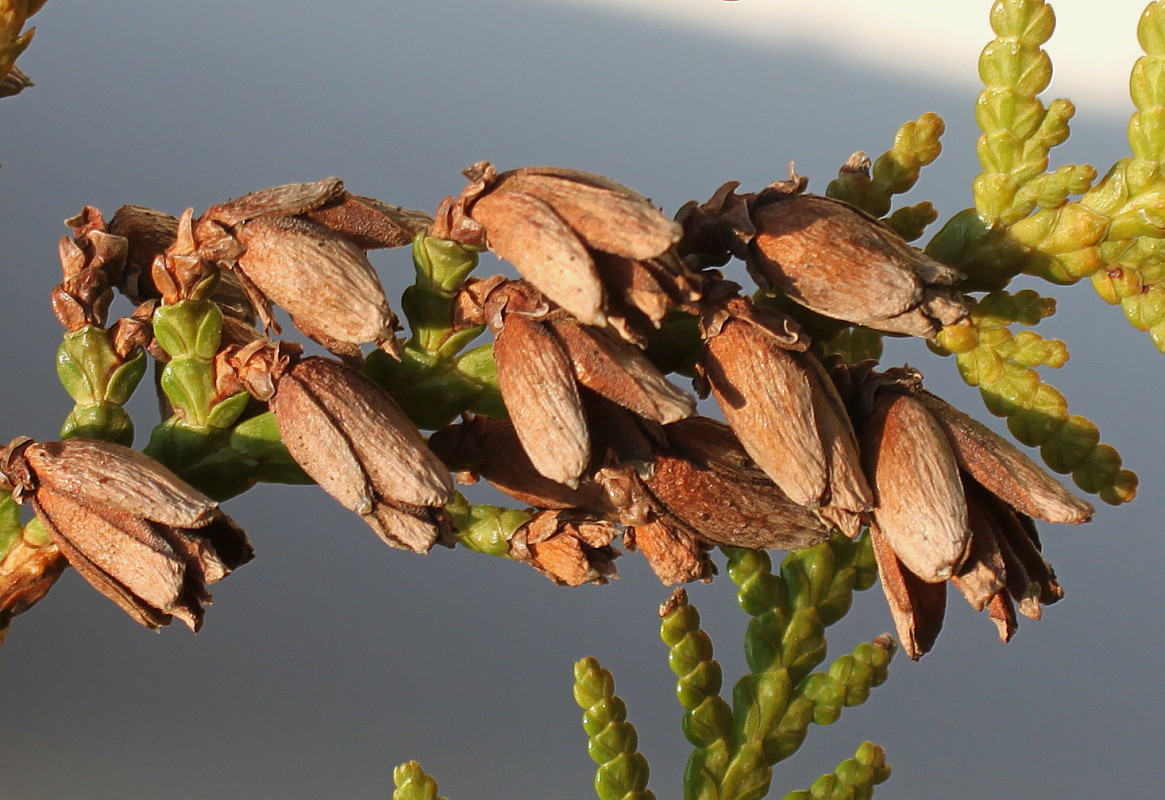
938	39
332	658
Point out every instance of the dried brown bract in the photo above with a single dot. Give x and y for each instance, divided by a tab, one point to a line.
132	528
955	502
544	357
92	261
568	548
827	256
14	82
352	439
780	402
151	234
596	248
26	575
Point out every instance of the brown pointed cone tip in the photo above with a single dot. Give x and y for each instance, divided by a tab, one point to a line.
836	260
350	436
591	245
568	548
917	607
921	509
132	528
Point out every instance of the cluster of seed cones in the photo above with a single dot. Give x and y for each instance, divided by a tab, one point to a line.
598	442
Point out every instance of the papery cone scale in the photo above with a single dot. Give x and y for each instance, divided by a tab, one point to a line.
621	373
921	509
525	231
767	398
1002	469
538	385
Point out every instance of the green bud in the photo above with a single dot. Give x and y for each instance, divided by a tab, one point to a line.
412	783
100	420
485	529
224	413
441	263
191	328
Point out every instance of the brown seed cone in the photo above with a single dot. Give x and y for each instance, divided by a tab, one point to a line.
490	448
917	607
26	575
567	548
1003	470
835	260
589	244
323	280
356	443
131	527
734	512
537	383
921	509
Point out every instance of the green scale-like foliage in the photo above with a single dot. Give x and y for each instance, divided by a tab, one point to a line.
410	782
775	703
611	739
1002	364
1024	221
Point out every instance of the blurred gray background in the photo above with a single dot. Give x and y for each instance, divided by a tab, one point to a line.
332	658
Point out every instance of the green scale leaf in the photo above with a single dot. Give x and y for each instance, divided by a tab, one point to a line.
1002	365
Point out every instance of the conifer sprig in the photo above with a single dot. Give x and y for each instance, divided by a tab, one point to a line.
611	739
854	778
872	187
1001	364
413	783
774	705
